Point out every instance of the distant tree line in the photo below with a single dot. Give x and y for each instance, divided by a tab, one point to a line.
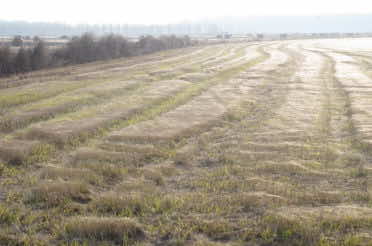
82	49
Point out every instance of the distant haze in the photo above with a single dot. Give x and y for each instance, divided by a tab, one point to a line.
234	25
298	24
170	11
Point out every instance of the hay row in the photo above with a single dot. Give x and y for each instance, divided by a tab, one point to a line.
63	131
202	111
49	108
359	88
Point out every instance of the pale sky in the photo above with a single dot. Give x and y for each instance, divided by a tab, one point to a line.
169	11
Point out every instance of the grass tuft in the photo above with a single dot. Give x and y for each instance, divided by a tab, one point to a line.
51	194
121	231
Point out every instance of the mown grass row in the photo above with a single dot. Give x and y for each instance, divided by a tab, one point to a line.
49	109
9	99
161	107
42	112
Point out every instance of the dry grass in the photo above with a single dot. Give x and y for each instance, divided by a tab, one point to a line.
65	103
121	231
125	157
55	193
110	172
268	146
83	124
18	152
70	174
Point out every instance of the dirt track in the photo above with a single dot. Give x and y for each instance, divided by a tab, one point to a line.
241	144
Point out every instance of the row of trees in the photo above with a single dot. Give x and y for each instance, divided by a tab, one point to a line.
83	49
24	60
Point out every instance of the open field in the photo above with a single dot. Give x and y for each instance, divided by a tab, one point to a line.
263	143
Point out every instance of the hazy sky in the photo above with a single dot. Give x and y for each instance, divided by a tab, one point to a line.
169	11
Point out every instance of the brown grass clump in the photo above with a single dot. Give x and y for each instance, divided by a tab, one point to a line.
119	205
255	201
130	148
308	226
133	157
18	152
65	174
281	231
102	156
139	186
182	231
66	132
317	198
52	194
15	152
131	205
290	168
121	231
111	173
